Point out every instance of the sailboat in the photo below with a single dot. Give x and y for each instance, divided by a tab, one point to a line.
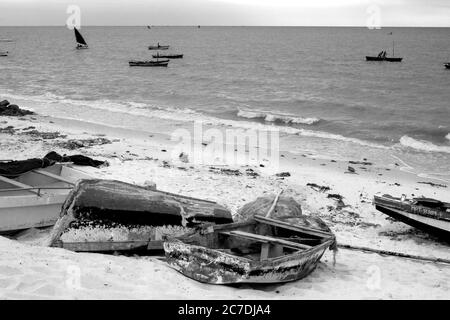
81	43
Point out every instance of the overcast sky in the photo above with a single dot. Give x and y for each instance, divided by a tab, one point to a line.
230	12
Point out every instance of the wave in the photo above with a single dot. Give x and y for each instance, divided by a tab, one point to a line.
423	145
448	136
280	118
188	115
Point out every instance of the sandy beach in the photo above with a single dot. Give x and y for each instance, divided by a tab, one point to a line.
28	270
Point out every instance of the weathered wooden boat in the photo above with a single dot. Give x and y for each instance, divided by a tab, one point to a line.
447	65
158	47
81	43
168	56
149	63
108	215
35	198
260	250
429	215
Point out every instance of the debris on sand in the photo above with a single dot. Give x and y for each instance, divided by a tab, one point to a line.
82	143
251	173
45	135
433	184
351	170
283	174
318	188
364	163
8	130
229	172
184	157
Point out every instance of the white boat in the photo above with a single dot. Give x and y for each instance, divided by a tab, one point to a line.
34	199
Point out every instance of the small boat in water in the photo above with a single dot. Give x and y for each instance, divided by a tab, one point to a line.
34	198
429	215
447	65
158	47
81	43
168	56
389	59
259	250
3	53
149	63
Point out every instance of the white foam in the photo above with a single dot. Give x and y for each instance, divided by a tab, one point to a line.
448	136
273	117
422	145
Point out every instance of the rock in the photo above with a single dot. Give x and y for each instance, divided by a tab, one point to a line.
351	169
4	103
7	109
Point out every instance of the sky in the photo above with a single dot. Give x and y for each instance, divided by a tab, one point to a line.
373	13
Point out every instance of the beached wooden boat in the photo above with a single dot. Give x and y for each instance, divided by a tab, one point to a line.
168	56
149	63
81	43
447	65
260	250
429	215
109	215
34	198
158	47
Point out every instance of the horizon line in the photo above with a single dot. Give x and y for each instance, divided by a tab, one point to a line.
238	26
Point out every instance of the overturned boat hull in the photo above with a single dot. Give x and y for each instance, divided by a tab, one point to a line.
133	212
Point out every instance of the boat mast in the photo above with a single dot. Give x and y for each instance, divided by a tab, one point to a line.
393	49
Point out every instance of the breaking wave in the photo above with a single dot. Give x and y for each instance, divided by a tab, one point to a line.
277	118
422	145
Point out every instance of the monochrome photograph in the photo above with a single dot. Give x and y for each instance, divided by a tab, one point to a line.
225	150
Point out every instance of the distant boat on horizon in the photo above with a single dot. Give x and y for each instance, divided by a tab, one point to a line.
81	43
447	65
148	27
158	47
4	53
383	57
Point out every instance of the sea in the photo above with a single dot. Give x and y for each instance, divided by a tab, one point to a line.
311	83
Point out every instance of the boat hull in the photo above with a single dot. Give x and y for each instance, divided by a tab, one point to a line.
173	56
215	267
369	58
162	63
428	220
158	47
23	209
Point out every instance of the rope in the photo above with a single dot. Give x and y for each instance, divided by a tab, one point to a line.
396	254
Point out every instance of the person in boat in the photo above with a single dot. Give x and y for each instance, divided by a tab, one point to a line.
380	54
384	54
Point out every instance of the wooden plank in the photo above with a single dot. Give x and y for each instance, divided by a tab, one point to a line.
264	251
21	185
278	223
54	176
266	239
102	246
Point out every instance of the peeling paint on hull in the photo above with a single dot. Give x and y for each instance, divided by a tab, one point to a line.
216	267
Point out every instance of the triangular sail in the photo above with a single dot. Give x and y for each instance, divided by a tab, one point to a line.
79	37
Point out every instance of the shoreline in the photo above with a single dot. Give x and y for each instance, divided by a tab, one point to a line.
136	156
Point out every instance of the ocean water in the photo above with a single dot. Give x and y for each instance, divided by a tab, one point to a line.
312	83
